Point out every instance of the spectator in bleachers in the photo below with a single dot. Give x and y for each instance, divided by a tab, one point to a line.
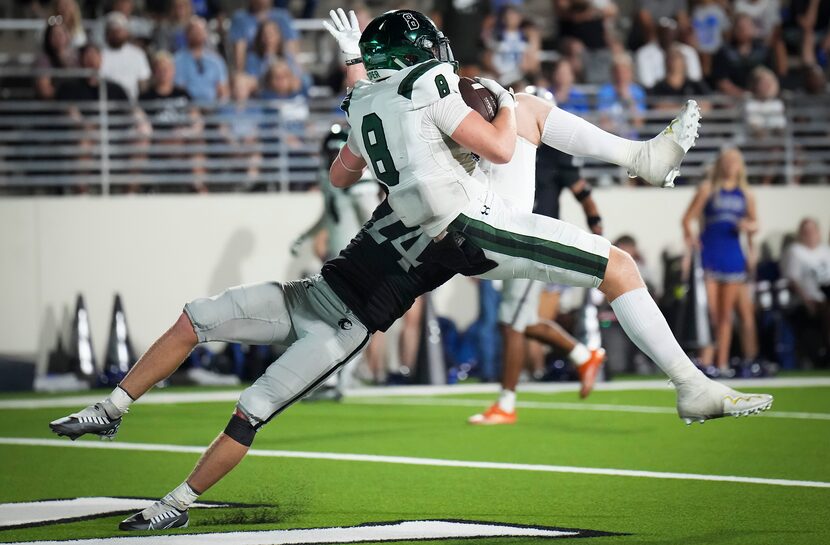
89	88
123	62
806	264
809	30
209	10
513	46
567	96
168	110
764	109
199	70
814	80
648	15
764	117
710	23
766	14
240	123
281	82
724	208
651	58
591	22
70	18
586	20
573	51
622	102
676	84
171	32
82	96
733	64
464	23
244	26
163	83
57	52
309	7
268	47
140	28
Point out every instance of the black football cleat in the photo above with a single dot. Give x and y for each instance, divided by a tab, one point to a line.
94	419
159	516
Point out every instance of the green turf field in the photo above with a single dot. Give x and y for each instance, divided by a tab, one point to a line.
308	492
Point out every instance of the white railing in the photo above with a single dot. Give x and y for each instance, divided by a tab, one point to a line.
104	146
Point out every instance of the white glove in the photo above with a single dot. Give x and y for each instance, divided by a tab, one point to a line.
346	31
504	96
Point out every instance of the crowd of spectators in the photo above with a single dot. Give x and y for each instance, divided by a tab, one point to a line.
602	57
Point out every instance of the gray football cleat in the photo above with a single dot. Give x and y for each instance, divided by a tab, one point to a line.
95	419
658	162
707	399
159	516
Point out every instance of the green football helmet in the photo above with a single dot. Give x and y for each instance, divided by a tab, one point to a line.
399	39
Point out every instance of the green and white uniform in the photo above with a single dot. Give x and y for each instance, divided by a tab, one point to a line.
401	127
515	181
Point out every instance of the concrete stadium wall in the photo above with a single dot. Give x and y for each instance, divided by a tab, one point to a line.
160	251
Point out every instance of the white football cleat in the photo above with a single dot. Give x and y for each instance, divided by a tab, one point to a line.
94	419
706	399
159	516
658	161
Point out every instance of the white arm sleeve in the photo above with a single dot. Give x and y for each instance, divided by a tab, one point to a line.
448	113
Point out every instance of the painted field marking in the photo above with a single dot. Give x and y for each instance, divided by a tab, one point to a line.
231	395
35	513
561	406
377	532
407	460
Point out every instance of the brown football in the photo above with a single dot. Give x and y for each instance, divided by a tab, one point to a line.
478	98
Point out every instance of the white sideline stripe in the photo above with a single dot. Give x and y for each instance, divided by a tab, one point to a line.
563	406
165	398
407	460
401	531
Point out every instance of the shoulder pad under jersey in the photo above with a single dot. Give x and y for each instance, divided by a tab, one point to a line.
428	82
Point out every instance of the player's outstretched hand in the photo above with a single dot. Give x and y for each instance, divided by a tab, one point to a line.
346	31
504	97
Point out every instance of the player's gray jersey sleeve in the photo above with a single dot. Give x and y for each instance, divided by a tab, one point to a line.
448	113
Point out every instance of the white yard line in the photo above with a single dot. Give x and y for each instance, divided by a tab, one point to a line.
557	406
165	398
399	531
406	460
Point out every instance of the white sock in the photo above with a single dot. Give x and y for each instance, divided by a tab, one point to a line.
181	497
579	355
120	400
507	401
647	328
575	136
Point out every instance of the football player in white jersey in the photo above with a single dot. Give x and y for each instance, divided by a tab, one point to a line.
413	129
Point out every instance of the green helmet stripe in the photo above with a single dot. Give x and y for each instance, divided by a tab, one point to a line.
405	88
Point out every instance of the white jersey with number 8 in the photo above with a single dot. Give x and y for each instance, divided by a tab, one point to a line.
401	127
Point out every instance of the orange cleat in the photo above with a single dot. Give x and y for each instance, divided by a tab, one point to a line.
493	416
588	371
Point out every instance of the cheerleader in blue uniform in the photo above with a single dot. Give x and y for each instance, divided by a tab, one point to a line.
724	207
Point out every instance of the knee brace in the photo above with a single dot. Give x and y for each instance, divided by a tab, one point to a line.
240	429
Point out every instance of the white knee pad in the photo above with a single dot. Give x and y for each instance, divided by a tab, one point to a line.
257	405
